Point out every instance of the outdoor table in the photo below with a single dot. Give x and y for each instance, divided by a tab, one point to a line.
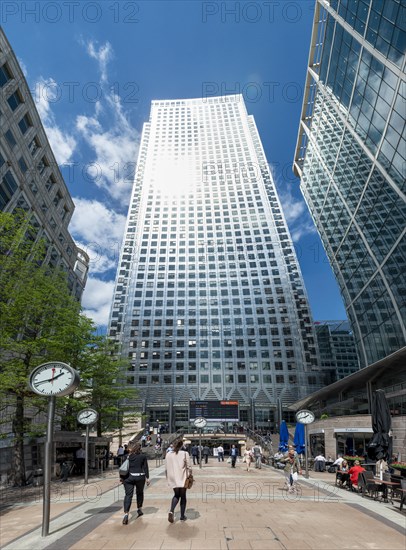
369	466
386	485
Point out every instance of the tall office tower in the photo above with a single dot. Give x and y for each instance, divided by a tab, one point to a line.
351	159
209	302
30	179
338	355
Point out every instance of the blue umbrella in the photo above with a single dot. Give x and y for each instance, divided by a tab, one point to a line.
283	437
299	439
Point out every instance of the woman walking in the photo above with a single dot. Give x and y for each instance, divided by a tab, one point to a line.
137	476
292	469
178	467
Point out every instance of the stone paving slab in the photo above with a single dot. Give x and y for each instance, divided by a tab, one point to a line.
227	509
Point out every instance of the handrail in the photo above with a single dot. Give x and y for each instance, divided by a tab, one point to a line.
258	438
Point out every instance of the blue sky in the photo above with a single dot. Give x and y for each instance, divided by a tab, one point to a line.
94	68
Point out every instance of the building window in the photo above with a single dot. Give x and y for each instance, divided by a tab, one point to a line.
25	123
5	75
8	187
11	140
15	100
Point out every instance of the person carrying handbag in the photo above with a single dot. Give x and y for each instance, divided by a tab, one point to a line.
134	473
292	469
178	468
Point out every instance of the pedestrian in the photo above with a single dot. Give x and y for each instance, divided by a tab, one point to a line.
137	476
80	460
64	471
220	453
291	470
206	452
195	454
120	454
233	455
257	452
248	458
178	467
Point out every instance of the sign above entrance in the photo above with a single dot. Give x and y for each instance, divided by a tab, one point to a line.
214	411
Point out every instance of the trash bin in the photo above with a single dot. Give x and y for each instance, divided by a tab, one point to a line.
38	477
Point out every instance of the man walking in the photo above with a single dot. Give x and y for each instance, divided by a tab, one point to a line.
233	454
206	452
257	452
220	453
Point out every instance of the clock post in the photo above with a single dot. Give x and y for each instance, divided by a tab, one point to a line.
305	417
54	379
200	423
46	505
87	417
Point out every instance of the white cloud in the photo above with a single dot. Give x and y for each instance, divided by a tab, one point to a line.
63	144
100	262
297	215
293	208
93	222
102	55
110	135
23	67
97	299
305	227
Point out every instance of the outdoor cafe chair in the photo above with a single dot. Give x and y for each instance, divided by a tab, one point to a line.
368	485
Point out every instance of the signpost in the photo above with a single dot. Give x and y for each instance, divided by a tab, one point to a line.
51	380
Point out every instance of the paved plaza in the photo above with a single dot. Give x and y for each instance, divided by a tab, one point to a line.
228	509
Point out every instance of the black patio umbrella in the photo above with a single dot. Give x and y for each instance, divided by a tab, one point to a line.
380	446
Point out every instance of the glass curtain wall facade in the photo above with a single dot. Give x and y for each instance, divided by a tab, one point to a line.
209	302
351	159
338	355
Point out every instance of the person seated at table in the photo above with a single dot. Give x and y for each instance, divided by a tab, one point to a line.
354	472
342	475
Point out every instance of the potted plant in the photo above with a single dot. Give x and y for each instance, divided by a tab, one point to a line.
400	466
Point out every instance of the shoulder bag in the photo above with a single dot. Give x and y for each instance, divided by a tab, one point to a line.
124	468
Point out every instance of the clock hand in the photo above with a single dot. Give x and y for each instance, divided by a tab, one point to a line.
53	374
50	379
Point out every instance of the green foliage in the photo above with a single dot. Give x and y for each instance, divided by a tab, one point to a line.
41	321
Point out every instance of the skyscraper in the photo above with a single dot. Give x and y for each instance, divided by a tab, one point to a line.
338	356
209	302
351	159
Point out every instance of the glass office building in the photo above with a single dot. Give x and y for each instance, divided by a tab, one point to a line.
209	301
338	355
351	159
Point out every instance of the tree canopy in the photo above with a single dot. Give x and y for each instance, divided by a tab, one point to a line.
41	321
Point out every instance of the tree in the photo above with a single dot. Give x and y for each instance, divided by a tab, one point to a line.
41	321
104	386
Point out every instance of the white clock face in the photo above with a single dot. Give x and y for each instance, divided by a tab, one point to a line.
87	416
54	379
200	422
305	417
